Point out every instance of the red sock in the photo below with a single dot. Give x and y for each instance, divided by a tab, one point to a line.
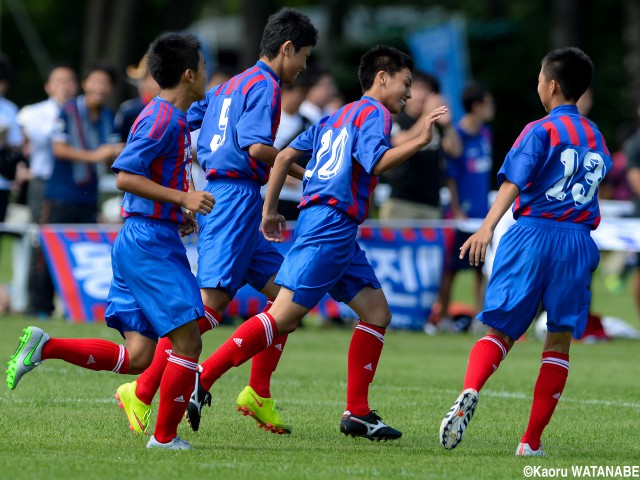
265	363
549	386
249	339
90	353
210	320
364	353
484	359
149	381
175	389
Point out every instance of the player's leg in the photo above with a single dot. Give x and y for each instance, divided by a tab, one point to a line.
511	302
90	353
365	349
567	301
177	384
148	383
255	399
250	338
547	391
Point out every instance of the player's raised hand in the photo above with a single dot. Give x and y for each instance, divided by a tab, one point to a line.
199	202
429	119
434	101
273	226
477	245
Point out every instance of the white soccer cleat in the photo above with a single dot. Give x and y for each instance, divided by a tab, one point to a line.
524	450
176	444
455	422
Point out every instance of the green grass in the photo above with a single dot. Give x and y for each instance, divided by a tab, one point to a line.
62	422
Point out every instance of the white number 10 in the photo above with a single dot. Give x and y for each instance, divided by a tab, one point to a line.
594	165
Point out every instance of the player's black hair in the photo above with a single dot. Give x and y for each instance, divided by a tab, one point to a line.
170	55
429	80
6	69
287	24
381	58
101	67
571	68
474	92
65	65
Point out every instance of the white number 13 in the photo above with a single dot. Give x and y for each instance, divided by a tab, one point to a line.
593	163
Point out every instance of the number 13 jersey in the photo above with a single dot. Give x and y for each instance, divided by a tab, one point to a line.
558	162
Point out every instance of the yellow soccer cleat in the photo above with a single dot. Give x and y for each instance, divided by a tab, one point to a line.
137	412
263	411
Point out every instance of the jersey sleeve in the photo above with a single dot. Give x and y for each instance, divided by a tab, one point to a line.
372	142
196	112
305	141
521	162
141	151
255	123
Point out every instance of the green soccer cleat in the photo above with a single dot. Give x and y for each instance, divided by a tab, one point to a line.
263	411
137	412
27	356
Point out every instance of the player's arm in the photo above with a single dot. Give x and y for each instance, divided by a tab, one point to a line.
273	224
104	153
268	154
397	155
200	202
477	244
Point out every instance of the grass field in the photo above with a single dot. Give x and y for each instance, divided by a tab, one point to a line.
62	422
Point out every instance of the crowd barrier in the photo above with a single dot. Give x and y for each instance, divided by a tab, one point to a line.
407	256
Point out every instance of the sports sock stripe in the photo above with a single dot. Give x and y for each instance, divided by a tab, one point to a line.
212	320
121	353
497	342
182	362
370	331
556	361
268	330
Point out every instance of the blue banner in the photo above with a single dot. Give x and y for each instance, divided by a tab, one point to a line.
408	262
442	52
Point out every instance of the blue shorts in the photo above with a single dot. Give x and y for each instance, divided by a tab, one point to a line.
325	258
153	290
231	249
541	260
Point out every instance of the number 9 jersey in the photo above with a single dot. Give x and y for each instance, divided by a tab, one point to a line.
347	146
557	163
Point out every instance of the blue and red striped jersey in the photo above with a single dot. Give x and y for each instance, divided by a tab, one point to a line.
159	148
345	148
243	111
557	163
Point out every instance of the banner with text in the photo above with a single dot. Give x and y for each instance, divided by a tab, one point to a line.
407	261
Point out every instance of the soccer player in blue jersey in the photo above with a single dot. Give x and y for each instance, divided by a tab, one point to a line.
144	303
349	150
238	121
552	174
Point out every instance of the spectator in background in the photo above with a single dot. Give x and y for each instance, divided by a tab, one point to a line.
80	144
321	92
38	122
415	185
632	150
130	109
10	136
469	178
292	124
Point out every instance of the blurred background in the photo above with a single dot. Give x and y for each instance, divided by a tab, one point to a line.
500	42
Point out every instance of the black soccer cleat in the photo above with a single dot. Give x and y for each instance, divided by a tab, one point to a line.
368	426
199	398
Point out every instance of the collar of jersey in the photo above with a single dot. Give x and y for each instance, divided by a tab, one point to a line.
263	66
564	109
